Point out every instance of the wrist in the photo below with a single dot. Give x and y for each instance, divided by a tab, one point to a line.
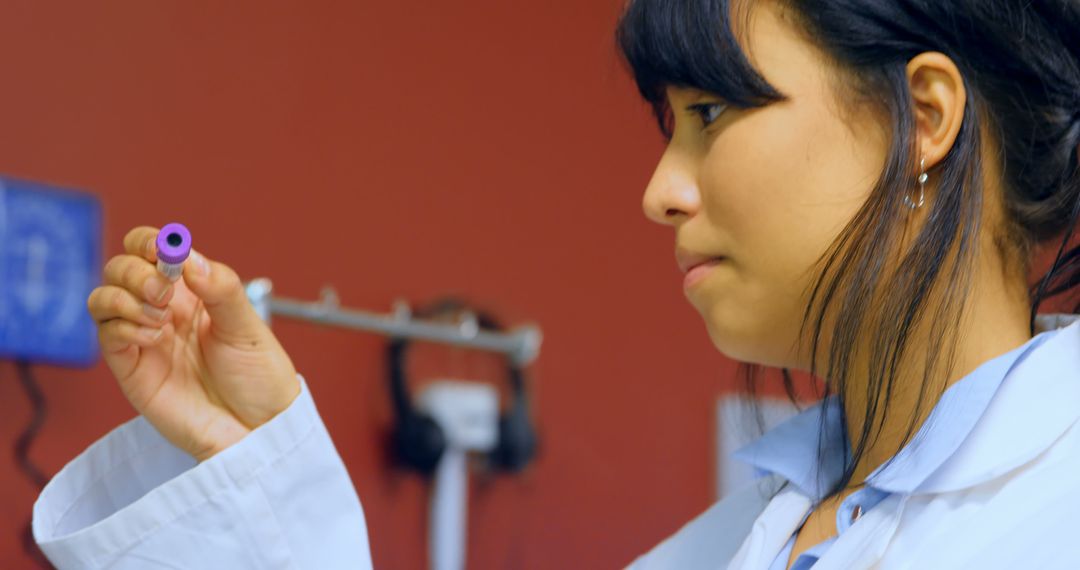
222	437
275	402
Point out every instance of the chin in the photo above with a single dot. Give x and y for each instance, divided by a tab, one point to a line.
730	343
745	347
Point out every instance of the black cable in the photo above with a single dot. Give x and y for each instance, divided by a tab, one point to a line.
22	453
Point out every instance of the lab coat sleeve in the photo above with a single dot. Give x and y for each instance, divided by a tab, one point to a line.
279	498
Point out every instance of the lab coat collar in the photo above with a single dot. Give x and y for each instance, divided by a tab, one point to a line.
970	435
1035	405
790	449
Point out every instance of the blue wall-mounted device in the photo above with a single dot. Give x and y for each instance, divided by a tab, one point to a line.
50	260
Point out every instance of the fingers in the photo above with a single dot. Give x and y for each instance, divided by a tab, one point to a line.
140	277
125	323
122	342
223	295
112	302
118	335
141	241
131	307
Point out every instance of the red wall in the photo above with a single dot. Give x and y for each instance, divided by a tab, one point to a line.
391	149
495	149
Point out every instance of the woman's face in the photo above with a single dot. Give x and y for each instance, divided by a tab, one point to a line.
769	189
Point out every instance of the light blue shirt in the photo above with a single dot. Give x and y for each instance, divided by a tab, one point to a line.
791	448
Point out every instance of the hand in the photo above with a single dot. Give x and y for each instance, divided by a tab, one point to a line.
193	357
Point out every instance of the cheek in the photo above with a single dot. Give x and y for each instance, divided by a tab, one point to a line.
778	189
752	306
766	179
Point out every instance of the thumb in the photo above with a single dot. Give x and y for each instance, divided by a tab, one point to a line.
223	295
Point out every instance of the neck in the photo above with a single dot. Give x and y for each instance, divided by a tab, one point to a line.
994	321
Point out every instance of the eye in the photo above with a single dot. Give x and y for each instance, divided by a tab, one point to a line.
709	112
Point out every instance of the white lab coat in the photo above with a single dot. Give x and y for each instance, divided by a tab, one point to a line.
281	498
1008	498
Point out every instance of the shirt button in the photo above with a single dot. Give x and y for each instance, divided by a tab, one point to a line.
855	514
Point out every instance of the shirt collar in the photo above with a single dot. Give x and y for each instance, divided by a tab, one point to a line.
961	442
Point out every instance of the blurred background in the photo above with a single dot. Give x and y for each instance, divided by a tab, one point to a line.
496	150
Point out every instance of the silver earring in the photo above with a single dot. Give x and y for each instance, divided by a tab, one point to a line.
922	187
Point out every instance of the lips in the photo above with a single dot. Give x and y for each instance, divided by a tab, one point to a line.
706	262
689	259
699	272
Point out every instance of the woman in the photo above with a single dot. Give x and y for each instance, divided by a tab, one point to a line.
856	189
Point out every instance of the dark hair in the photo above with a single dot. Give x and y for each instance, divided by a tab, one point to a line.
1020	61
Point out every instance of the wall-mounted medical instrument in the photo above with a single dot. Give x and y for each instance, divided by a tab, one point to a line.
50	260
419	437
451	417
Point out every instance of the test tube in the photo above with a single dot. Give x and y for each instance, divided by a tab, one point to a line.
173	247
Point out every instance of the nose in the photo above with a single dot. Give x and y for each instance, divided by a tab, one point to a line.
672	194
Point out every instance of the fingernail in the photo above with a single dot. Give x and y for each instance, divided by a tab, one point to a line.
150	333
201	263
156	289
153	312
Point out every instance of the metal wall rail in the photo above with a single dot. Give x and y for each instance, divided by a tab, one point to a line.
521	344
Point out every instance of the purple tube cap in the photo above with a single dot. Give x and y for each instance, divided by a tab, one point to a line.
173	243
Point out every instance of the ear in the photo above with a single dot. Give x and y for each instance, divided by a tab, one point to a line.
940	98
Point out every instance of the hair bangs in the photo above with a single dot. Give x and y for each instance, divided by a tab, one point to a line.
689	44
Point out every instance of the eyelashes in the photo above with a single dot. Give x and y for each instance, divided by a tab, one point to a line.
707	112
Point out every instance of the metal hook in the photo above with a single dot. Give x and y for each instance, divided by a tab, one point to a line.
402	311
329	296
468	325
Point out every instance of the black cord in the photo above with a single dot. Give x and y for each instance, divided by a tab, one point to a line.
22	454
